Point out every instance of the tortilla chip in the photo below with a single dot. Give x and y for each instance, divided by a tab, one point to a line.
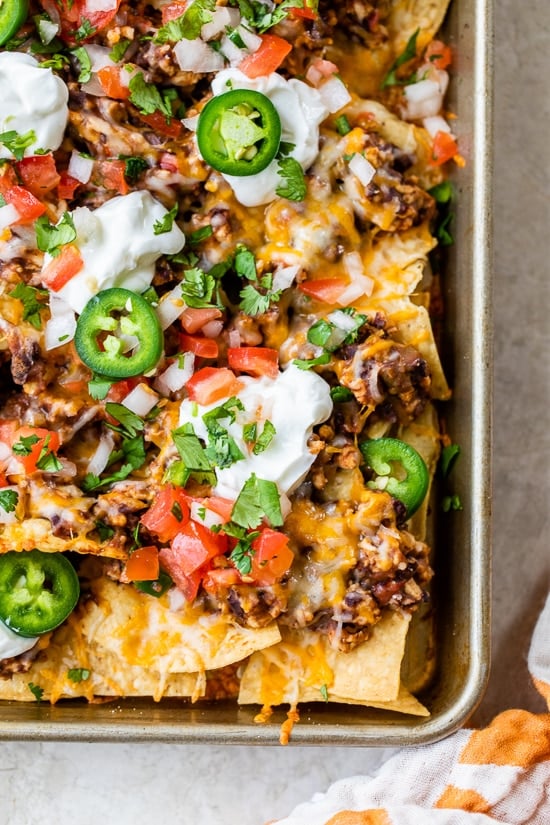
303	664
37	532
423	435
404	703
406	16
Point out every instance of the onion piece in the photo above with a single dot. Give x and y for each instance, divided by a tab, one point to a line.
334	94
360	285
342	320
425	98
80	167
99	59
231	51
100	5
251	40
47	29
436	124
362	168
140	400
191	123
222	18
197	56
61	326
176	375
199	512
170	307
284	277
176	599
212	329
8	215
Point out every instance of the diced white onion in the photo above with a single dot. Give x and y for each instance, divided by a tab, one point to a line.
251	40
99	59
425	98
231	51
212	329
197	56
436	124
47	29
342	320
284	277
176	599
8	518
129	342
360	285
334	94
203	515
80	167
5	451
100	5
8	215
140	400
234	338
175	376
286	505
170	307
362	169
61	326
191	123
222	18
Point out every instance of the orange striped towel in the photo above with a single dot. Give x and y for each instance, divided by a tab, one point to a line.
500	774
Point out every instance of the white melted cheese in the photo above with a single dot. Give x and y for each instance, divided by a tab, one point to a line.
294	402
118	246
11	644
34	99
301	111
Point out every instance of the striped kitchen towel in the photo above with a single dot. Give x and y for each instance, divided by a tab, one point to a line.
500	774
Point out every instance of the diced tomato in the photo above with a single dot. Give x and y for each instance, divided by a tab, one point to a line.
110	174
29	461
211	384
327	290
444	148
267	58
29	207
272	557
61	269
75	387
220	578
8	428
194	319
257	361
188	557
111	83
3	480
306	12
143	564
67	186
172	11
158	122
79	19
199	345
438	54
8	178
168	514
38	174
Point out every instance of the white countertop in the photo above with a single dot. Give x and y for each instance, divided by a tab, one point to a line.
81	784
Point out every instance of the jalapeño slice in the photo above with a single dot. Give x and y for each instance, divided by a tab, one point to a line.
239	132
37	591
399	470
12	16
108	321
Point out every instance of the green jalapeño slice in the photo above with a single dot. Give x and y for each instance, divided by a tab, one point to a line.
110	323
13	14
398	469
239	132
37	591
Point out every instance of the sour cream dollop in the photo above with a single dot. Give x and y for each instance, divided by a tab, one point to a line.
34	99
294	402
301	111
119	246
11	644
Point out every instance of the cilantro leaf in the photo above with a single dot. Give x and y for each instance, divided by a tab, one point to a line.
98	387
442	232
25	444
307	364
222	449
119	50
147	98
267	436
408	53
165	223
194	238
133	167
16	143
131	423
32	305
57	62
84	31
341	394
243	552
47	460
105	532
254	302
258	500
190	448
245	263
36	691
188	25
197	288
293	186
132	451
51	237
449	455
84	62
78	674
8	500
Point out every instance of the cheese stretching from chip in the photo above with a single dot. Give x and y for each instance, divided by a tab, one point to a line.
205	332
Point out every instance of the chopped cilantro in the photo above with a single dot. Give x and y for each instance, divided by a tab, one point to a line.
449	455
84	31
307	364
119	50
47	460
258	500
189	24
199	235
442	232
147	98
30	297
8	500
323	690
51	237
293	186
408	53
57	62
131	423
98	387
242	553
245	263
285	148
249	432
262	16
443	192
265	439
133	167
197	288
222	449
16	143
451	503
36	691
25	444
341	394
166	223
105	531
85	64
78	674
190	448
342	125
132	454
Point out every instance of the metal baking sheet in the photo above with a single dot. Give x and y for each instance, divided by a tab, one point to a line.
457	627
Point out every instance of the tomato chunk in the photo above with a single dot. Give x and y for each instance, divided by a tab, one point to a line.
272	557
111	82
168	514
256	361
36	441
67	186
438	54
110	174
327	290
220	578
61	269
143	564
29	207
38	174
444	148
194	319
80	19
195	545
158	122
199	345
267	58
211	384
